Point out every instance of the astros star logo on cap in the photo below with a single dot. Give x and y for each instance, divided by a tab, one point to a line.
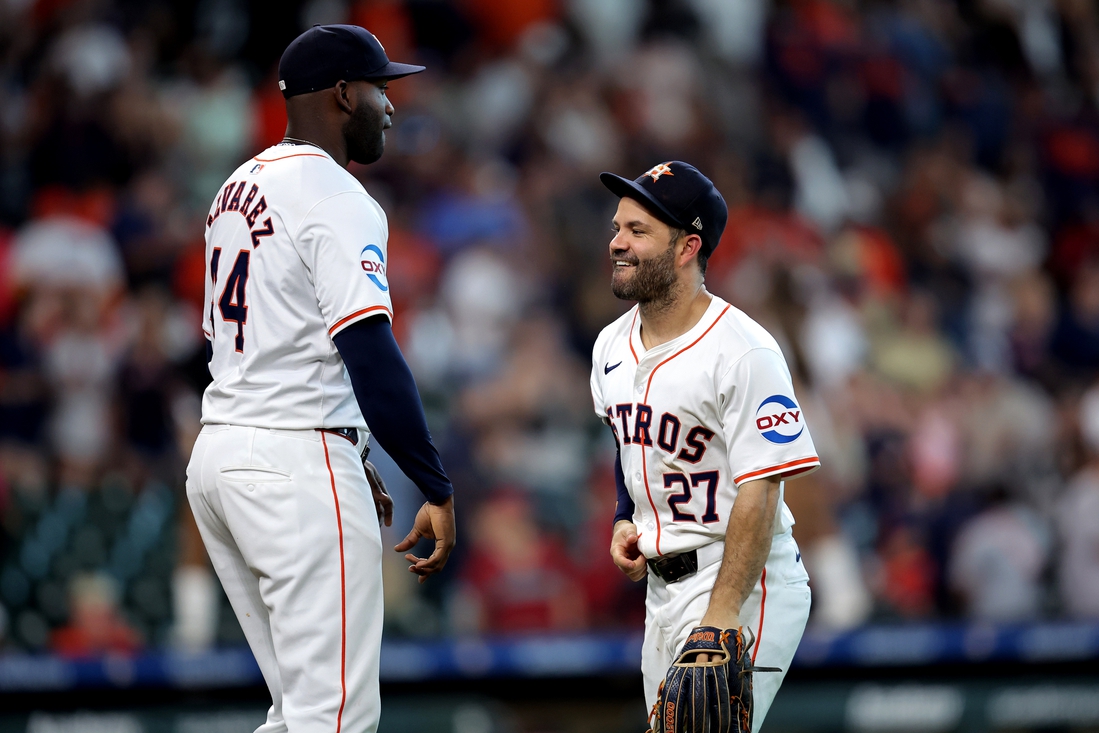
659	170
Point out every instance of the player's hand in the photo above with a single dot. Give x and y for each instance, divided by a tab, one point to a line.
436	522
722	620
382	501
625	553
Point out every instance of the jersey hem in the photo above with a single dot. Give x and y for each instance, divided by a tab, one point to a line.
358	316
788	470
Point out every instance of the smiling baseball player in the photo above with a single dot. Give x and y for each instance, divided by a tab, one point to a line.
707	425
303	360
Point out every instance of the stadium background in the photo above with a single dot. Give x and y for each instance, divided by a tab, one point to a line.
914	195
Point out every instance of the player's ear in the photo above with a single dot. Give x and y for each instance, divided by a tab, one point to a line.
342	90
691	245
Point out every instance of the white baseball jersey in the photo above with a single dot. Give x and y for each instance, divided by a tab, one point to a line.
695	418
295	251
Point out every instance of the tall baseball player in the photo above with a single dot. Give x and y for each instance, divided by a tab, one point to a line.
303	361
708	427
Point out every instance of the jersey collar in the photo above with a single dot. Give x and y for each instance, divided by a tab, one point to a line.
717	305
281	151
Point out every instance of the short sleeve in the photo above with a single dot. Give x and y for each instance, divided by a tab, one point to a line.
596	391
344	242
763	422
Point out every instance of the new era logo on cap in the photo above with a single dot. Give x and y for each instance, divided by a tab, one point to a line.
282	85
697	223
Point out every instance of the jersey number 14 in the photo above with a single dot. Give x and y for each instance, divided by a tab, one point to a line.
231	304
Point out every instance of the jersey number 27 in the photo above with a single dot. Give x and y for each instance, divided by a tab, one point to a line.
231	304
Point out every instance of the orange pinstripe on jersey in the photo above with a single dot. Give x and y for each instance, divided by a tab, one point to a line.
805	463
292	155
343	592
635	359
358	313
762	608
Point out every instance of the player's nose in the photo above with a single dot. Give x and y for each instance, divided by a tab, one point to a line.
618	245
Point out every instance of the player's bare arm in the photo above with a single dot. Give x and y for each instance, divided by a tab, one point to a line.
747	544
624	550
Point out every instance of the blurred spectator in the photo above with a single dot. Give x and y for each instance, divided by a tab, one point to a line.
998	559
907	574
63	251
913	191
516	578
96	625
915	355
613	601
1076	338
211	108
1078	522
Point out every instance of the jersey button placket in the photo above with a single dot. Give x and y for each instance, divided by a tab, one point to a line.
640	375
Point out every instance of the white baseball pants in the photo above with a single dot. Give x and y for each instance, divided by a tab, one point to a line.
775	612
291	528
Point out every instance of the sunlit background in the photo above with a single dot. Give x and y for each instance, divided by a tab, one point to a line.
914	214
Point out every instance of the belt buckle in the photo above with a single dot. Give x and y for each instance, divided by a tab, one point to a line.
675	568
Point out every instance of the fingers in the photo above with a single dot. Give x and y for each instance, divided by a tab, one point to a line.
634	567
409	541
377	483
433	522
382	501
385	506
430	565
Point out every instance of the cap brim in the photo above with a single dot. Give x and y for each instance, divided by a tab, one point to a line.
393	70
620	187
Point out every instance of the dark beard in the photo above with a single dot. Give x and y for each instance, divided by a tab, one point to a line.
653	282
365	135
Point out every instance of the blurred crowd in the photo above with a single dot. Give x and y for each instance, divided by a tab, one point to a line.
914	213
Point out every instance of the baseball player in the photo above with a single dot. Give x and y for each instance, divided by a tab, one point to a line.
303	361
708	427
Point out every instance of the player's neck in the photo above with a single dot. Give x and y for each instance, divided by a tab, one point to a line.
662	322
333	145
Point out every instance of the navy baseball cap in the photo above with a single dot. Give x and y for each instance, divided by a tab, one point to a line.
680	196
325	54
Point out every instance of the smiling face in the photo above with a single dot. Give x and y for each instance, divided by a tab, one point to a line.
644	256
364	130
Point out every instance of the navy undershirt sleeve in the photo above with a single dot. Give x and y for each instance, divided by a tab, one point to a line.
624	508
387	396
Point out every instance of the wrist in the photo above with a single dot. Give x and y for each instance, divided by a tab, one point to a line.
623	527
721	616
